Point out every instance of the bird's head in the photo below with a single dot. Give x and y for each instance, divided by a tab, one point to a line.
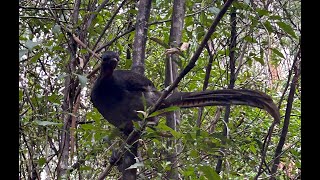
110	59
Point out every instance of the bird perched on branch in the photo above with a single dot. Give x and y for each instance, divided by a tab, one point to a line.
117	94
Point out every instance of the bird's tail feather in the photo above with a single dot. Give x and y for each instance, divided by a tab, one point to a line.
222	98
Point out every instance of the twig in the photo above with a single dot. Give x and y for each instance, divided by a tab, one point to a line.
44	8
265	145
36	17
109	23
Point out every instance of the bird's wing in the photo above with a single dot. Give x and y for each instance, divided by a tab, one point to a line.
134	81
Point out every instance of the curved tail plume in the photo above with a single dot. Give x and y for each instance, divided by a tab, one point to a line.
222	98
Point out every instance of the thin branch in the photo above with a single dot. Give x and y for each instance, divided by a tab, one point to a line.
30	151
188	15
289	76
44	8
265	145
109	23
73	125
95	13
114	39
36	17
205	82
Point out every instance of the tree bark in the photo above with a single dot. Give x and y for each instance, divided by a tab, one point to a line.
138	57
140	39
173	118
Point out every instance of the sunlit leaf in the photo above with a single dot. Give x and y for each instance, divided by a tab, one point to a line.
252	148
260	60
56	29
30	44
250	39
87	126
85	168
22	52
209	172
286	28
83	80
136	165
42	161
247	2
262	12
46	123
268	26
62	76
36	57
278	53
169	109
214	10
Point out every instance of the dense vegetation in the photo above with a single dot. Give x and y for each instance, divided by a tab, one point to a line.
257	43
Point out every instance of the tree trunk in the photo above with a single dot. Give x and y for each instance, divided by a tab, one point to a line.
138	56
173	118
140	39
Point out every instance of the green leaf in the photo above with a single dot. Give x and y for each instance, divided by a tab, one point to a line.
144	102
84	168
133	11
36	57
268	26
275	17
214	10
140	115
260	60
286	28
194	153
169	109
53	98
56	29
136	165
46	123
252	148
209	172
42	161
58	48
189	171
262	12
164	127
20	95
83	80
87	126
62	76
30	44
278	53
22	52
250	39
247	2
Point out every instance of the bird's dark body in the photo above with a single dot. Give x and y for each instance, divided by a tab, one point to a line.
119	96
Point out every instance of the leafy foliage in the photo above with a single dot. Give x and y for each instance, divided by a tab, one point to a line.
51	75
